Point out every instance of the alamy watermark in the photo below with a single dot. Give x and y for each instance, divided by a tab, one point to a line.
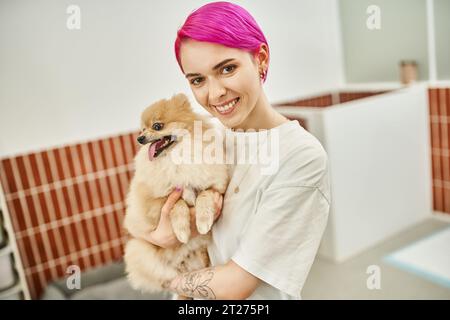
73	281
373	282
373	21
73	21
212	146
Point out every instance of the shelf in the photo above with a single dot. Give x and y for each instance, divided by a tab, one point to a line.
5	250
9	247
10	291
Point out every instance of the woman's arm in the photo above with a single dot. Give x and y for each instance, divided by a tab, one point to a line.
224	282
227	281
163	236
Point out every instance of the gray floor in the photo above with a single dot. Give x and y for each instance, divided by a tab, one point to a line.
326	279
348	280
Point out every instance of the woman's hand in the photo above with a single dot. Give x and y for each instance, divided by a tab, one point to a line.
163	236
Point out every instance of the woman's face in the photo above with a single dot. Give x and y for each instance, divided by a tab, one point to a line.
220	75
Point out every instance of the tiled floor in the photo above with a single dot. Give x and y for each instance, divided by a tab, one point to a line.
348	280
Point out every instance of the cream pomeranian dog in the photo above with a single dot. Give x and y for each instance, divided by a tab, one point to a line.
156	176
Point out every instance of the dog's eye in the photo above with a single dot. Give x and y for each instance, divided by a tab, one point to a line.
157	126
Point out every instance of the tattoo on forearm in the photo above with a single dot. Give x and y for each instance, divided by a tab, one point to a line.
193	284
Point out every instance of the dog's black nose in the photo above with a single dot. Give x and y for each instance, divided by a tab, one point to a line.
141	139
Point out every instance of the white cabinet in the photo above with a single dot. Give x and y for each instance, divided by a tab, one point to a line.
380	166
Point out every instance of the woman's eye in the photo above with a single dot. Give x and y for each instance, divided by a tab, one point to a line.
230	68
157	126
194	81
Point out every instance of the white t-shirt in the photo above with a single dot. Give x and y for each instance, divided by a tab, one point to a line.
273	225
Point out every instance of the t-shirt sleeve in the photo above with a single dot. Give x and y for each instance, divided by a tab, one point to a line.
281	239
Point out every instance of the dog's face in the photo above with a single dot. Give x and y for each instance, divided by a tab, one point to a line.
161	121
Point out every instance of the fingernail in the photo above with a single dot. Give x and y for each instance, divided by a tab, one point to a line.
178	188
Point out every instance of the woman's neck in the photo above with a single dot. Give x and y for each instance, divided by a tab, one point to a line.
263	116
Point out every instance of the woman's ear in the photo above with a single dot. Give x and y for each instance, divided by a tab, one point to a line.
262	56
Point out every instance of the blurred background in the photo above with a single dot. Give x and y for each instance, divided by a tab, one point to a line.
370	79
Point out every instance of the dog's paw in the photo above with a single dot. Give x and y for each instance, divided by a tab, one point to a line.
204	211
180	219
182	234
189	196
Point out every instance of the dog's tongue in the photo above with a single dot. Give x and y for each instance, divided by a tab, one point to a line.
153	148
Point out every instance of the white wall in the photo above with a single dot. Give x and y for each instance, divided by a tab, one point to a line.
60	86
374	55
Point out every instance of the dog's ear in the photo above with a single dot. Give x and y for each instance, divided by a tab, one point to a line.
181	100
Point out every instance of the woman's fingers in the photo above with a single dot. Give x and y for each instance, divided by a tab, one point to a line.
171	200
194	230
219	203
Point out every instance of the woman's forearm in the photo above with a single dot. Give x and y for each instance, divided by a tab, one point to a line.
160	240
203	284
222	282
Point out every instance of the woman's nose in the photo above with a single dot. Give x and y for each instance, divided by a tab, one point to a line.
216	90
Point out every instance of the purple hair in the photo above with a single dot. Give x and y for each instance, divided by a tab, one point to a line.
222	23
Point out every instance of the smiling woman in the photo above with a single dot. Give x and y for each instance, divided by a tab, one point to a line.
266	239
234	56
228	83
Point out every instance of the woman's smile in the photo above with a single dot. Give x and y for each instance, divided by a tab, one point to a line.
227	109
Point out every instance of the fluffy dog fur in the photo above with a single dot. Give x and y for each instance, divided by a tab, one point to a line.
147	265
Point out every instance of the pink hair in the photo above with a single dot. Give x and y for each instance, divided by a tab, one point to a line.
222	23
